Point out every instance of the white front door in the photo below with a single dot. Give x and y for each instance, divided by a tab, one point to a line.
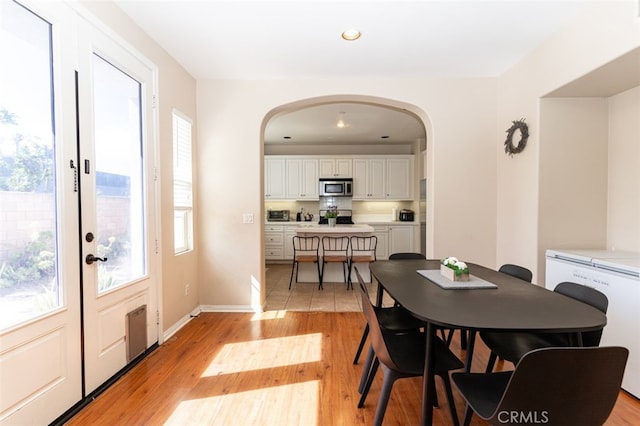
40	346
76	179
117	199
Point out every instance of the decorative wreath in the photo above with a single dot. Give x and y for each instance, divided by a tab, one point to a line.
509	147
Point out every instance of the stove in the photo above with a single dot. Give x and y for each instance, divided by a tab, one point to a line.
340	220
344	218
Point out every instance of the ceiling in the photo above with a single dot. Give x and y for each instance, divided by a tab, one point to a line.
364	124
300	40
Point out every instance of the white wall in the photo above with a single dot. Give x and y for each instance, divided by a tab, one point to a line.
459	116
573	176
607	31
623	218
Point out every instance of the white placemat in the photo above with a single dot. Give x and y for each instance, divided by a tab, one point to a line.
444	282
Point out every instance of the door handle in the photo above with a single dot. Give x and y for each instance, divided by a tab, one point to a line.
91	258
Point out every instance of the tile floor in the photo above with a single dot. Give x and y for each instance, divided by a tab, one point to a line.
306	297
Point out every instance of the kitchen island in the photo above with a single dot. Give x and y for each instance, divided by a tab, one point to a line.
332	271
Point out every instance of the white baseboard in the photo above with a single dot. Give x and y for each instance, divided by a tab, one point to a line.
181	323
205	308
227	308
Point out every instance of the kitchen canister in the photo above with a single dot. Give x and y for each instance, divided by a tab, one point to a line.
394	214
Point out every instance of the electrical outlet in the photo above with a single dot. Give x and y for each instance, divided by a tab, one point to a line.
187	289
247	218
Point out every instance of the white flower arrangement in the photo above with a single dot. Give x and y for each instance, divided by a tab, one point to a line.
459	267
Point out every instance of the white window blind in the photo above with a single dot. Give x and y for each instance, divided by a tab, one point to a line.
182	183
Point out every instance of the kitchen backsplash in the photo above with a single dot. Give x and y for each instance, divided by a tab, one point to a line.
362	210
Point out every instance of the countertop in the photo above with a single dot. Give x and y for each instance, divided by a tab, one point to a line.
338	229
315	223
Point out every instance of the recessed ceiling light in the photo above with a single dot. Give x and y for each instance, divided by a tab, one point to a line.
286	137
351	34
341	123
384	137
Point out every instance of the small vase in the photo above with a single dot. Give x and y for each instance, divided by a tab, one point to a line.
331	221
451	274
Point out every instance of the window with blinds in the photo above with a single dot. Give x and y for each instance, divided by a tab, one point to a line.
182	184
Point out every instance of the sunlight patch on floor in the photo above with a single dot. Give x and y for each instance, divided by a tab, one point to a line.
269	315
266	353
295	404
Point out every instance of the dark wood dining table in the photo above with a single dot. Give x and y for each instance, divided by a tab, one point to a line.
513	305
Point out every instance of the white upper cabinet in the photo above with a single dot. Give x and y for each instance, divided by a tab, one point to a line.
360	179
383	178
369	179
336	167
375	177
399	179
302	179
274	178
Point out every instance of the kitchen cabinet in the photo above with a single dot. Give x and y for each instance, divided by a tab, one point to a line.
289	233
397	238
382	233
274	178
278	240
375	177
273	242
336	167
368	179
401	239
302	179
383	178
399	179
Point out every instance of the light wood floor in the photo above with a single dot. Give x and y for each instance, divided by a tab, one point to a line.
276	368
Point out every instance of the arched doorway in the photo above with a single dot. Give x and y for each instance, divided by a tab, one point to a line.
370	126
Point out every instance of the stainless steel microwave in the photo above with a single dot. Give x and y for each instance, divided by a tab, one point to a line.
336	187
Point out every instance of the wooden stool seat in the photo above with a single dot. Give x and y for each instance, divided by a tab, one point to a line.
307	258
362	259
335	258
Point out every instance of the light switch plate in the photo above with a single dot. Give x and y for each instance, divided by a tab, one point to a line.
247	218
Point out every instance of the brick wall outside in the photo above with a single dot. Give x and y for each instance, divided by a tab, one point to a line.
23	215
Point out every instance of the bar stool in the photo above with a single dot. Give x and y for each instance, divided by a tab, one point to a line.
336	250
305	250
363	250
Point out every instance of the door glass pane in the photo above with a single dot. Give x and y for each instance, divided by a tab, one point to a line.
119	176
29	284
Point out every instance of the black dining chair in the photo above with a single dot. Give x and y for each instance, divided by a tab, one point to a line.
416	256
393	319
400	356
550	386
401	256
512	346
407	256
516	271
398	319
